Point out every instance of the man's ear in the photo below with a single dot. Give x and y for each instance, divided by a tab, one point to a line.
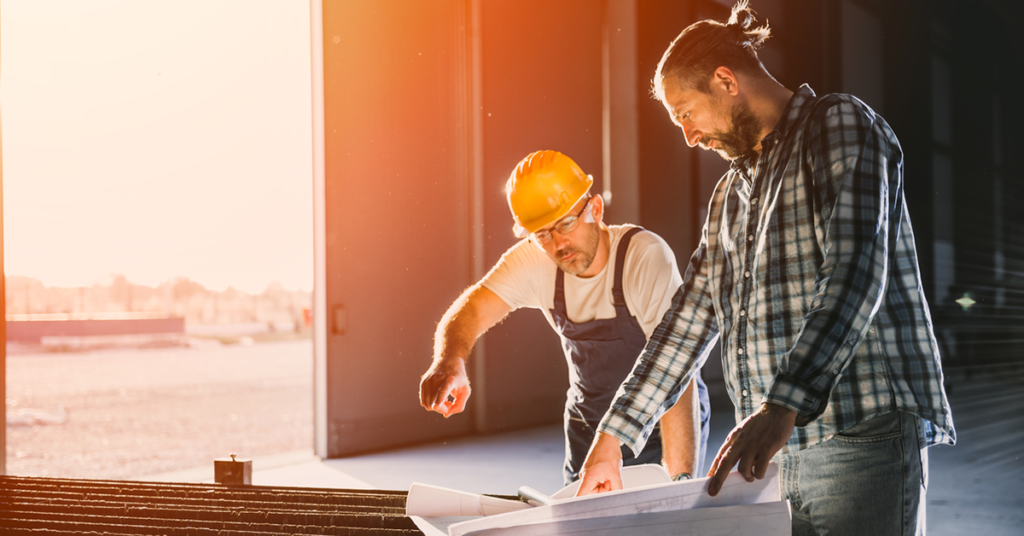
723	79
596	212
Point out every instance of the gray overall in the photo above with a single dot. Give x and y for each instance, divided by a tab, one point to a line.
600	354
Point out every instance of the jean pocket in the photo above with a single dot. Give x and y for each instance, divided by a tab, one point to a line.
885	427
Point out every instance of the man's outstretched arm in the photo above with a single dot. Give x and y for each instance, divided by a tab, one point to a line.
472	314
680	433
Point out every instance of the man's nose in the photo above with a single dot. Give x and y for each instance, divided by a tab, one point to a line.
559	240
692	135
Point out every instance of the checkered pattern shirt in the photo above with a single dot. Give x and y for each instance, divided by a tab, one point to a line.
808	273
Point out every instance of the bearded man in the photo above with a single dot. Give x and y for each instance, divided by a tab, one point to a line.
808	274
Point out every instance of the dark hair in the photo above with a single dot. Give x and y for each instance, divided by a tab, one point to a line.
707	45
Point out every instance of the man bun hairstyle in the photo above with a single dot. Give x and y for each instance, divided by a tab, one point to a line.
709	44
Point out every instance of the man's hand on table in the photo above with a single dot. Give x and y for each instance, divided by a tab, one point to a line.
752	443
602	471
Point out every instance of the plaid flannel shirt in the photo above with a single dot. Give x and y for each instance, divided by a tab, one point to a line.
807	271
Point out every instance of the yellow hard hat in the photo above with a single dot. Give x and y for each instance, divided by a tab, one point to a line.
543	188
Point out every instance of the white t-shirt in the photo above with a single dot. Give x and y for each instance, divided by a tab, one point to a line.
525	277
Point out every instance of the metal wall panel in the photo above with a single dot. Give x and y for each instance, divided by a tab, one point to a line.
396	192
427	108
541	82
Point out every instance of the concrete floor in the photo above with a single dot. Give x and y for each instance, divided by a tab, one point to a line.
975	487
496	464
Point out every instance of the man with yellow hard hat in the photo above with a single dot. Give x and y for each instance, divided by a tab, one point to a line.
602	288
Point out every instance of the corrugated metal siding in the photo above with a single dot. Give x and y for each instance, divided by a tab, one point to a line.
65	506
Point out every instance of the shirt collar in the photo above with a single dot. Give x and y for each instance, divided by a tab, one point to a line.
795	109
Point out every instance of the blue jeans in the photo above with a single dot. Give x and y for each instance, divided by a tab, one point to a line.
869	479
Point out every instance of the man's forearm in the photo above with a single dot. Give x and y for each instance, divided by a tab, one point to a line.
680	430
444	388
455	334
473	313
458	329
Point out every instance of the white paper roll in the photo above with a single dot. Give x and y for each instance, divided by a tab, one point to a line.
433	501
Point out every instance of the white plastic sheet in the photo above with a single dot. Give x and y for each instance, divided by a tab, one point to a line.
762	519
632	505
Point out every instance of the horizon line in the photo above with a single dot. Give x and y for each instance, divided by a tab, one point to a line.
112	275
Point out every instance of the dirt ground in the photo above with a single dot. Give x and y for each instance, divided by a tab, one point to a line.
131	413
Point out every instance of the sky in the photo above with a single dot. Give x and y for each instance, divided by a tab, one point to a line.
157	139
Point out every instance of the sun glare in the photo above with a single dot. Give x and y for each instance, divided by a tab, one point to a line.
157	140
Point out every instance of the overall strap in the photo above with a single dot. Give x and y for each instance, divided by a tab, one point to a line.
560	292
618	296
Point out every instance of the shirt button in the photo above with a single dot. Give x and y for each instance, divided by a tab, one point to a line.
746	274
739	351
744	393
753	200
835	371
750	238
743	312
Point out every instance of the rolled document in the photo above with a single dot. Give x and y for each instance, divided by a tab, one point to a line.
434	501
533	496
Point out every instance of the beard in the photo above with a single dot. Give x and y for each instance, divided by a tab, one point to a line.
584	254
741	138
